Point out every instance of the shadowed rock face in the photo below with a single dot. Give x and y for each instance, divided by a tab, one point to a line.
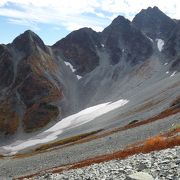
28	42
6	67
26	69
79	48
37	86
123	40
172	49
39	115
154	23
9	119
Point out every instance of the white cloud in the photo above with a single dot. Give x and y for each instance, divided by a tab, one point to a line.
26	23
132	7
70	14
74	14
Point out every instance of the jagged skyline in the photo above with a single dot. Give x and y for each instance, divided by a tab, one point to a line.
58	18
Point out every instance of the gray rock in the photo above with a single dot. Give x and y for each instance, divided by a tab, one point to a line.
140	176
141	166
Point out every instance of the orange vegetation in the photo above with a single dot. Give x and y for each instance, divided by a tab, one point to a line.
44	64
168	112
152	144
159	142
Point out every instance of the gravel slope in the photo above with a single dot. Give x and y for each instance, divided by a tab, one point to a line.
162	165
18	167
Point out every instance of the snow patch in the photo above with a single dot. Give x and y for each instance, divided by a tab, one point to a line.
79	77
173	73
67	123
165	64
70	65
167	72
160	44
149	38
102	45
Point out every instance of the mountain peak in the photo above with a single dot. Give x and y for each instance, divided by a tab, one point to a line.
152	11
120	23
155	8
154	23
86	29
79	48
120	20
28	41
28	34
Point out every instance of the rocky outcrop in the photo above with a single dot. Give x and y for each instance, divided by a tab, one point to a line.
154	23
124	41
9	119
172	48
140	176
79	48
39	115
6	67
27	88
28	42
158	26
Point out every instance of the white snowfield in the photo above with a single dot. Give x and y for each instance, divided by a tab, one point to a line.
67	123
79	77
173	73
160	44
102	45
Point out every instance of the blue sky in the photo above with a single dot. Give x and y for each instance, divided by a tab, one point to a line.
54	19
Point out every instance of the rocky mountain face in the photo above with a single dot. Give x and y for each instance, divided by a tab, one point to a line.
28	85
40	84
79	48
124	41
154	23
172	48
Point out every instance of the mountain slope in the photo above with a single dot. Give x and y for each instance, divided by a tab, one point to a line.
30	86
40	85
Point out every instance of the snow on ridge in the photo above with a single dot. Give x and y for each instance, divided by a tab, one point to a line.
70	65
160	44
173	73
72	69
72	121
149	38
